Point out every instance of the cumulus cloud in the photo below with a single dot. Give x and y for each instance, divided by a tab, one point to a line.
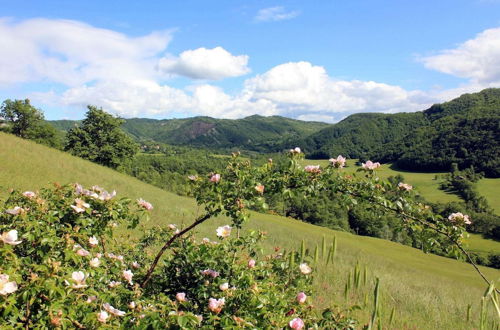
73	53
273	14
301	86
203	63
129	76
297	89
317	117
477	59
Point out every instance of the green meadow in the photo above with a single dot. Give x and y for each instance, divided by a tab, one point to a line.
425	182
422	291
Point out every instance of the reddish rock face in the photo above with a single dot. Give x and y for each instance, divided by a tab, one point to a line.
199	128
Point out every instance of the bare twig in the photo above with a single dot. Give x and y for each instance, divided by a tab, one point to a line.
168	243
457	244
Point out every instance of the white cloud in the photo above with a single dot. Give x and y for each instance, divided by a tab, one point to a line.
126	75
203	63
477	59
301	86
317	117
73	53
298	89
273	14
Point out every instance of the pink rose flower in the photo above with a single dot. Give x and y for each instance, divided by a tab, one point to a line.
305	269
29	194
224	231
215	305
459	217
82	252
6	286
215	178
210	272
181	297
80	206
127	275
315	169
369	165
79	278
93	241
102	316
301	297
146	205
259	188
296	323
338	162
112	310
10	237
15	211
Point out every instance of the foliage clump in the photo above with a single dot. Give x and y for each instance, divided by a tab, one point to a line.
100	139
24	120
61	268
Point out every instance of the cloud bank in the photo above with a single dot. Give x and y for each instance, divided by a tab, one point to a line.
133	76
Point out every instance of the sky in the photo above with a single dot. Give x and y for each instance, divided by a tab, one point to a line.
309	60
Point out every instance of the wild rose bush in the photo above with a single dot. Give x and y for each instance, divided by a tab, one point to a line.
241	187
60	265
61	268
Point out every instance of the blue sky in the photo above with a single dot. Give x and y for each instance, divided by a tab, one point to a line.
312	60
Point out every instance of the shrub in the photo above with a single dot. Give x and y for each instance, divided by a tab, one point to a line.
61	267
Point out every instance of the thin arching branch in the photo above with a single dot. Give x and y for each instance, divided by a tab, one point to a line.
198	221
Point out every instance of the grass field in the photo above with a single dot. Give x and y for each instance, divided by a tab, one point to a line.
426	291
490	188
426	184
477	243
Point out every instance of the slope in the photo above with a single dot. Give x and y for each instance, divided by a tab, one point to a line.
426	291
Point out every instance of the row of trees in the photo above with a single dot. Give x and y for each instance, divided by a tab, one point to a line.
99	138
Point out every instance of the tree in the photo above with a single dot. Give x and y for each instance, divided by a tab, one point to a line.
21	116
100	139
26	121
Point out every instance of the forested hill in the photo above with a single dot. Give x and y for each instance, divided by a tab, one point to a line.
465	131
256	133
359	134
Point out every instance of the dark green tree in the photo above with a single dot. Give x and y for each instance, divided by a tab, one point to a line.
26	121
100	139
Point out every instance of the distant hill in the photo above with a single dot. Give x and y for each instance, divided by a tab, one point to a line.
359	134
465	131
255	133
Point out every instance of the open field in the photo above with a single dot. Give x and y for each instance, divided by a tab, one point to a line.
426	184
490	188
427	291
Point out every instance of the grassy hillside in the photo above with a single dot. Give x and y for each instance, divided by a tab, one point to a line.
490	188
426	291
